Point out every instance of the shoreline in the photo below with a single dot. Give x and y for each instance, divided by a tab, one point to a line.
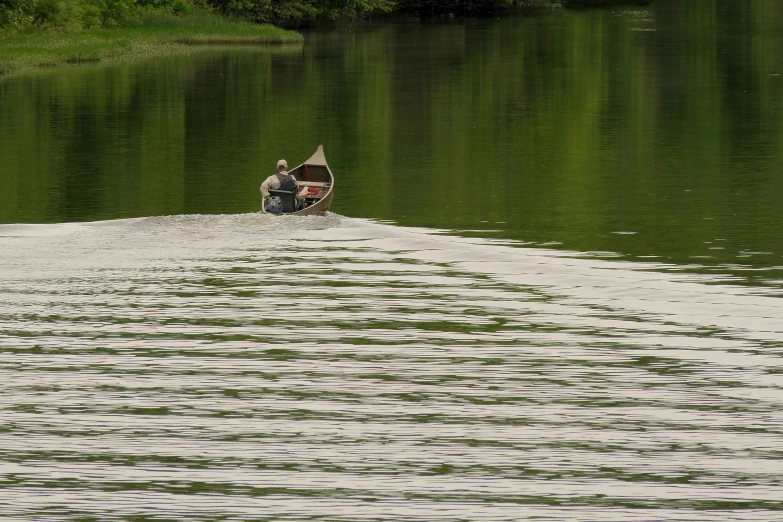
166	34
154	35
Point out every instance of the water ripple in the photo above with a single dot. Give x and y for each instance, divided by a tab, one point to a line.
251	368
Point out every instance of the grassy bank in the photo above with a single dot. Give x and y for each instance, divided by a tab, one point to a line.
149	35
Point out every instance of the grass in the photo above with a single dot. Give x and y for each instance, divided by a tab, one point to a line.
153	34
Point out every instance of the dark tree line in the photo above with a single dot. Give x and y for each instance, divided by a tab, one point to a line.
80	14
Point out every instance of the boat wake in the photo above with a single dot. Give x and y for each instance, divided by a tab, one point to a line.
325	368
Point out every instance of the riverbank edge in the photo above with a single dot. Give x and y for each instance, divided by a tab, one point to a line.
160	34
154	35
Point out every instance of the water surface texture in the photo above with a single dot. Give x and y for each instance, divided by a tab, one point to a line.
550	289
641	131
237	368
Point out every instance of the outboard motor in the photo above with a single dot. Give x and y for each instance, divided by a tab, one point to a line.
274	205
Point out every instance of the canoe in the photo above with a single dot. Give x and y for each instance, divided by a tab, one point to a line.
315	173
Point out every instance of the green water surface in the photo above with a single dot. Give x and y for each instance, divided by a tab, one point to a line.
647	131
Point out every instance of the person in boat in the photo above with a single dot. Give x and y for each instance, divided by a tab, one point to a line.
281	180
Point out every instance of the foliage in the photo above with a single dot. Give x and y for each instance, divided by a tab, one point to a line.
300	10
78	15
429	8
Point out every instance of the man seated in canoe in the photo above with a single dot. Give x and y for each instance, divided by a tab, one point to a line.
284	181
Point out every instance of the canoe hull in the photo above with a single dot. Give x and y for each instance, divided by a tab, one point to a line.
315	169
319	208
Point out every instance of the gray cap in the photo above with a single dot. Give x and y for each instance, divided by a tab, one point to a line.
282	163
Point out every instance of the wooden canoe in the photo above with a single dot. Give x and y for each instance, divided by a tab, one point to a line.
315	173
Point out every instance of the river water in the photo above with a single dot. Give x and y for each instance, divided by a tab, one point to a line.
550	287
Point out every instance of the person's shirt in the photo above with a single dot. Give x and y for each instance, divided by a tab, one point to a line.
273	182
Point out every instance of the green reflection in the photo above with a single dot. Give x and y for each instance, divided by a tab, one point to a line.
647	131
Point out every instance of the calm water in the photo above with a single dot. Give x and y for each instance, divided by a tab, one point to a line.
550	288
